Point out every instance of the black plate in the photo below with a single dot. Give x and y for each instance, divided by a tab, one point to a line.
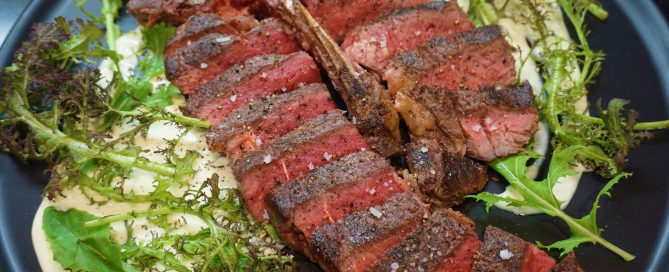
636	40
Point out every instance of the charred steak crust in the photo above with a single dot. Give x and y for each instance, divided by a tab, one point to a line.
176	12
345	172
200	25
373	45
569	264
500	252
445	178
336	242
428	246
240	119
325	124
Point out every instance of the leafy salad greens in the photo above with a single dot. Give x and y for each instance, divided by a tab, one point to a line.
56	105
598	143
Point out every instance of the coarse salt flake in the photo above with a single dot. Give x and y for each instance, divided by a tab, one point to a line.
267	159
375	212
327	156
418	33
258	141
311	166
424	149
433	172
223	39
203	65
394	266
354	120
233	98
505	254
371	191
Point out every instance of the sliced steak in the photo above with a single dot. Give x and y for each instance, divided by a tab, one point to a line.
176	12
367	101
362	238
569	264
443	177
191	65
470	60
262	121
492	122
339	16
504	252
446	242
200	25
313	144
257	77
374	44
353	183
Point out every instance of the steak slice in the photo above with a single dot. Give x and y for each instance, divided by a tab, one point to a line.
353	183
362	238
176	12
339	16
313	144
446	242
491	123
367	101
374	44
200	25
443	177
262	121
504	252
569	264
255	78
190	66
469	60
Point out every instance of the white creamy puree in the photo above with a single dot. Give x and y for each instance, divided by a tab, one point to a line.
519	35
140	181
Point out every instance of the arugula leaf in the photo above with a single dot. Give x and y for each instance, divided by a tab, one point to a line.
539	195
78	248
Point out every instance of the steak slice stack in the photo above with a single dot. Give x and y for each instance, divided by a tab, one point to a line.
339	16
362	238
504	252
248	81
374	44
313	144
201	60
353	183
469	60
262	121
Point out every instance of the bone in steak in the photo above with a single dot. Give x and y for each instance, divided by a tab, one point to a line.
443	177
315	143
470	60
255	78
353	183
362	238
374	44
366	99
176	12
262	121
191	65
504	252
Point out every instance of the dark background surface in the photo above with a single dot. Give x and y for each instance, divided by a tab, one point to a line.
638	203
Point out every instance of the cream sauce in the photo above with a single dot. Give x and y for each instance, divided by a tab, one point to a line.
139	181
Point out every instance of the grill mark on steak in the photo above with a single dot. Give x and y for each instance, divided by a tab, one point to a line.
504	252
200	25
470	60
446	242
486	124
353	183
262	121
315	143
443	177
339	16
176	12
258	77
357	242
202	60
374	44
367	101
